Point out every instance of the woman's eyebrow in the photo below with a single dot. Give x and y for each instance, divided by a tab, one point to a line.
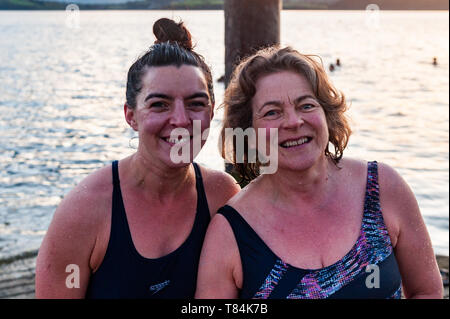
296	101
165	96
274	102
304	97
198	95
158	95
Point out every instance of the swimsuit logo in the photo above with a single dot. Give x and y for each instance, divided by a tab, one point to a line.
158	287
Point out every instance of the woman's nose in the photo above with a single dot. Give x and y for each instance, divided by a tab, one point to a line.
179	116
292	119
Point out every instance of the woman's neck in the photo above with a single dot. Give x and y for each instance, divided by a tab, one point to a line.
312	187
156	179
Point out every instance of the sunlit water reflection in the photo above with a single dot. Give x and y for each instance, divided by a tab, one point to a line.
63	89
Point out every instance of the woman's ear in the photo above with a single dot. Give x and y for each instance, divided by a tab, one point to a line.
130	116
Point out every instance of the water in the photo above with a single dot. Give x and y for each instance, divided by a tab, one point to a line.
63	88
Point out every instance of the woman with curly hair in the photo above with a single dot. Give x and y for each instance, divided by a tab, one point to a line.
322	225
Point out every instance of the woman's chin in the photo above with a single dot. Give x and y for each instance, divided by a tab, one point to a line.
299	166
178	164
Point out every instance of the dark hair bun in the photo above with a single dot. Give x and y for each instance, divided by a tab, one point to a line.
168	30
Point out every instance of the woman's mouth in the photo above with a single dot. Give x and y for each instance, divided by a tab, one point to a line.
178	140
296	142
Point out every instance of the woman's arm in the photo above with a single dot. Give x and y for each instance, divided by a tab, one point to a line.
220	270
220	187
63	265
413	248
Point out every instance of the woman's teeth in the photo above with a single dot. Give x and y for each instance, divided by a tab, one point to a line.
295	143
176	140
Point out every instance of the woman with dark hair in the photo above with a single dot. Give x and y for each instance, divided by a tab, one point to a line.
134	229
321	226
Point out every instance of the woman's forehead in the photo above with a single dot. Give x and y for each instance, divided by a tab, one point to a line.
281	85
174	79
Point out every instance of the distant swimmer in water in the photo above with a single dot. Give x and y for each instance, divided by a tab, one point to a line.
338	62
331	67
435	61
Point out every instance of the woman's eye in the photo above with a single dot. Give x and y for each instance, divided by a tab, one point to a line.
197	104
271	113
158	104
307	106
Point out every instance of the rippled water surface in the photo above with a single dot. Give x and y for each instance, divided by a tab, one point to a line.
62	93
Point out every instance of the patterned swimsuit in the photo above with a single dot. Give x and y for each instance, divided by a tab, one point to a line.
368	270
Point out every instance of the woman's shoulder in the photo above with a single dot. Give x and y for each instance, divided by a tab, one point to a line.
389	180
91	197
250	202
356	164
397	200
79	221
95	185
219	187
215	174
393	187
353	165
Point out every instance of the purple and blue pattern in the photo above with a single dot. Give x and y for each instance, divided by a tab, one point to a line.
372	247
397	294
272	280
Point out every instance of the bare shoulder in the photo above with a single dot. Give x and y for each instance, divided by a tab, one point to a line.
82	214
353	166
91	198
220	270
412	243
390	179
73	236
220	234
397	199
219	180
219	187
220	227
394	190
353	173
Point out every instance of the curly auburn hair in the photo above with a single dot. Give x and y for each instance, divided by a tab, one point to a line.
242	88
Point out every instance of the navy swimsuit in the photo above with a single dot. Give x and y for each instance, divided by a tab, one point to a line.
124	273
368	270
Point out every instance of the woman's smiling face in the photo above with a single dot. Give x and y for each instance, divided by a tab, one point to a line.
171	98
285	101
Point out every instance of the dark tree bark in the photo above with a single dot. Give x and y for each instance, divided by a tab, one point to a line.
249	25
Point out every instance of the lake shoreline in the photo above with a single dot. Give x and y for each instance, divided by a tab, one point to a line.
219	5
197	9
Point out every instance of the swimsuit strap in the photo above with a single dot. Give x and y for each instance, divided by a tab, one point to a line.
199	185
373	225
115	173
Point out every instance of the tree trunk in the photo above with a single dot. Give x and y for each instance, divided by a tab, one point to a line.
249	25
